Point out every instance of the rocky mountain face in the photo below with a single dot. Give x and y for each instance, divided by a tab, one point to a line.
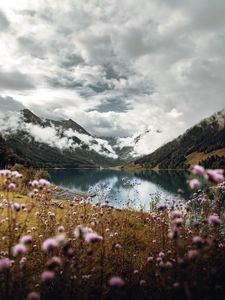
204	143
50	143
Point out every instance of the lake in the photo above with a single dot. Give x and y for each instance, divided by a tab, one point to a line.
124	189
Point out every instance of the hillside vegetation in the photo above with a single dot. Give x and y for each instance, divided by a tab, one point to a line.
198	144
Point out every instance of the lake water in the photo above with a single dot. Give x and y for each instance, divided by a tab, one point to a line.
122	189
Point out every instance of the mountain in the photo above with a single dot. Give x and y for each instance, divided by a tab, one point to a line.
56	143
203	143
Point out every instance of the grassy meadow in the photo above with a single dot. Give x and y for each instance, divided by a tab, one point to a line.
58	249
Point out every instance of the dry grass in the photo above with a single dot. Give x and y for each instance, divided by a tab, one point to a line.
150	251
196	157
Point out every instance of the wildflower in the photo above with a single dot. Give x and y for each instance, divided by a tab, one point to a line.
6	173
19	249
93	237
61	229
194	184
192	254
49	244
198	170
197	240
168	265
16	206
178	221
161	254
116	281
26	239
80	231
44	182
5	264
176	285
214	219
142	282
176	214
215	175
71	252
87	234
47	276
33	296
34	183
12	186
54	262
150	259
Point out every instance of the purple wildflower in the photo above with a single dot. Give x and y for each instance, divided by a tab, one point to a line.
49	244
5	264
26	239
93	237
18	249
214	219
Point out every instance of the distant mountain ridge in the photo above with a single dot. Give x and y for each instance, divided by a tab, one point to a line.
50	143
29	139
203	143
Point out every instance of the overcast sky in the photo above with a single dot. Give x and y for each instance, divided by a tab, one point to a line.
115	67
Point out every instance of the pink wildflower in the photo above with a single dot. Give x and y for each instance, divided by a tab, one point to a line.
116	281
33	296
44	182
142	282
12	186
47	276
194	184
215	175
198	170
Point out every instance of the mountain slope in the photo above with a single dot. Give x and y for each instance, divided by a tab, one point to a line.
49	143
200	143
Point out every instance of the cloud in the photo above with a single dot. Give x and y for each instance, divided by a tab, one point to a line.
15	80
4	22
116	66
9	104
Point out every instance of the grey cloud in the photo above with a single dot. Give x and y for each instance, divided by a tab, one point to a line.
15	80
4	22
10	104
32	46
115	105
70	60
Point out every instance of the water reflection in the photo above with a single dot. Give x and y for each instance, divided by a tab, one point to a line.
110	184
